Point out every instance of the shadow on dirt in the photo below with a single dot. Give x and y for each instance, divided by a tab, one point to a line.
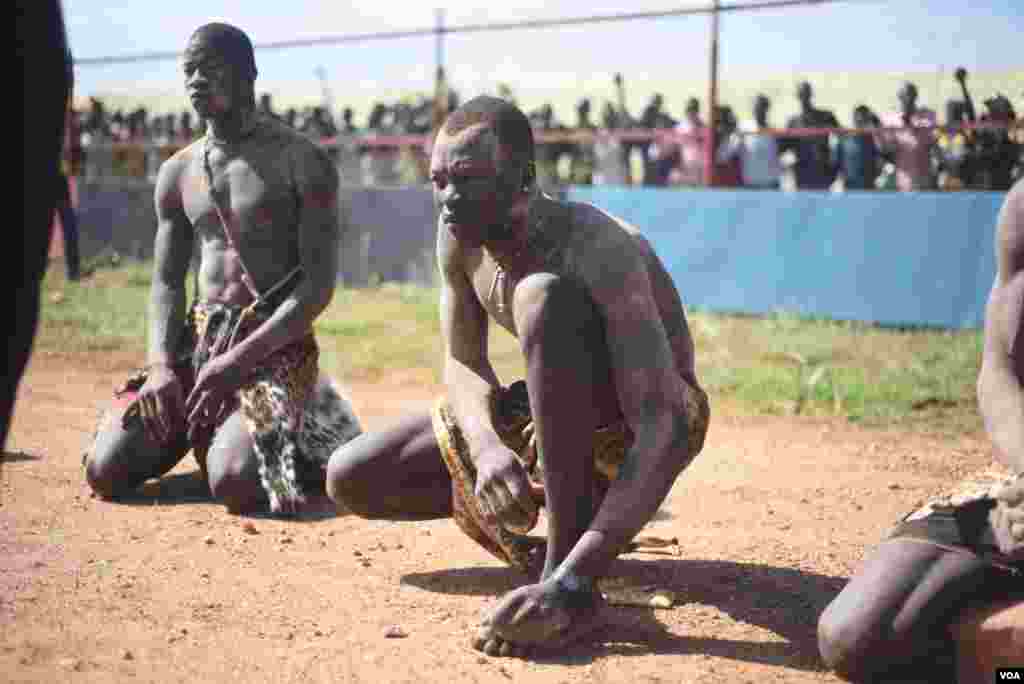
170	490
476	581
785	601
191	488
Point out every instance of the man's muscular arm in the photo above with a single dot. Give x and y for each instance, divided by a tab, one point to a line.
650	391
171	255
501	484
1001	381
319	230
160	402
468	375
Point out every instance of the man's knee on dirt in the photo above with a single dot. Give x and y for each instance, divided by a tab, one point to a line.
351	482
841	644
101	475
107	457
234	480
858	650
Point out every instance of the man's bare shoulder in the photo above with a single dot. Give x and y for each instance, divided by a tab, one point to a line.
180	160
169	187
1010	232
601	242
1011	222
1015	196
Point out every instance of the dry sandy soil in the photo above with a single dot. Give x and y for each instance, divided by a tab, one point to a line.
772	519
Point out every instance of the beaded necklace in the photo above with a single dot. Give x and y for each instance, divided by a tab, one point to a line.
499	282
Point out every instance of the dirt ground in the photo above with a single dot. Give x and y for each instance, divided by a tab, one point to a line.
772	519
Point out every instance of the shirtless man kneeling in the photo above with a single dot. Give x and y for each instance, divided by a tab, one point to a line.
609	415
966	547
235	377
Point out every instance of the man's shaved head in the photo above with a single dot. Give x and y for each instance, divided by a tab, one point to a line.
510	125
230	42
481	167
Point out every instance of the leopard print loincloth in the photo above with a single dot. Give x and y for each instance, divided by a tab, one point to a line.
296	416
978	486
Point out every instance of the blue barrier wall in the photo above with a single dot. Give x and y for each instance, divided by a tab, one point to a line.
889	258
391	233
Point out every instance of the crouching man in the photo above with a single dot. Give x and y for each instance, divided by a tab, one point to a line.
610	412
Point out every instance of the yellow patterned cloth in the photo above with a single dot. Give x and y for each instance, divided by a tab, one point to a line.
510	415
294	423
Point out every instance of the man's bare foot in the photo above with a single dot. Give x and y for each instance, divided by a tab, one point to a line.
538	616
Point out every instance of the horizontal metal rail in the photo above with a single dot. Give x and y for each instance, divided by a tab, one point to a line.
467	28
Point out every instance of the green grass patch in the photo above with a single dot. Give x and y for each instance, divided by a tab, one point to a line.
876	375
770	364
106	311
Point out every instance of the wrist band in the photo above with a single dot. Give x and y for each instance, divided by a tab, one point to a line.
572	582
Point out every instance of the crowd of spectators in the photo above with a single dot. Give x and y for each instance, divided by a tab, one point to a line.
902	150
136	143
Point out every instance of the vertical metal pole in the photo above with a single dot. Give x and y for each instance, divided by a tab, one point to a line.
440	81
439	38
710	143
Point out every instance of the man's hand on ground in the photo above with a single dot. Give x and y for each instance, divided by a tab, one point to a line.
503	488
161	404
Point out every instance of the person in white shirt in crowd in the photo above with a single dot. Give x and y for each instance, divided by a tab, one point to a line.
759	167
757	152
380	164
609	161
349	163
